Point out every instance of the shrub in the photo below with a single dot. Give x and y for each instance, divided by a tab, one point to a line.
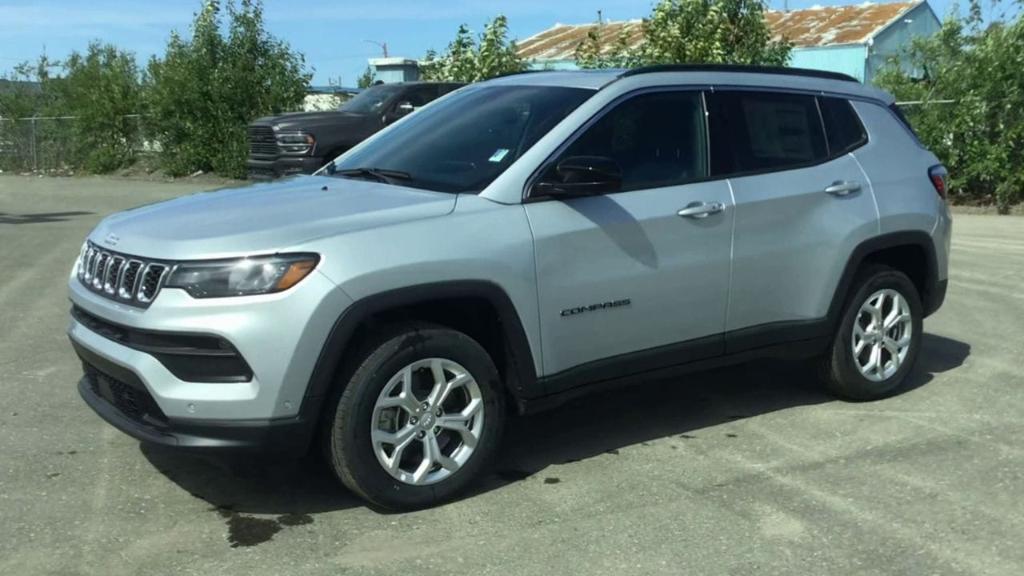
101	89
967	83
207	88
690	32
468	59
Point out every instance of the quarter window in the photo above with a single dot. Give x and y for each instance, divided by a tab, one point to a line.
843	127
657	139
764	131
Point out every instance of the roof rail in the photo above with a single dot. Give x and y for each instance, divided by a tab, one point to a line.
740	68
518	72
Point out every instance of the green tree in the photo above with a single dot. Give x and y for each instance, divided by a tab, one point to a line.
593	51
366	79
468	59
966	89
99	89
207	88
102	90
497	54
25	92
692	31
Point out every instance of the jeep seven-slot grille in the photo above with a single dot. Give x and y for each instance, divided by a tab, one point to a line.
262	141
121	277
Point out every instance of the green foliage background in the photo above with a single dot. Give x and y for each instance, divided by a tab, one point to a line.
469	59
967	83
193	103
691	32
99	88
205	90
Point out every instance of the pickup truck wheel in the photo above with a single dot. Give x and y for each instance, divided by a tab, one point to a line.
878	337
418	420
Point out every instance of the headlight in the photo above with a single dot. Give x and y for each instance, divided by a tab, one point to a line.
295	142
243	277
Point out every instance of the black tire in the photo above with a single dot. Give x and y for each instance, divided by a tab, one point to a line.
838	368
347	425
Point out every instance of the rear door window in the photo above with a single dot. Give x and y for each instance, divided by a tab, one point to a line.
843	127
764	131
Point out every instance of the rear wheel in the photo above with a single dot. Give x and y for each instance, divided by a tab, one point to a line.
418	420
878	336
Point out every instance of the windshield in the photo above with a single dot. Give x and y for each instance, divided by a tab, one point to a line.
371	100
466	140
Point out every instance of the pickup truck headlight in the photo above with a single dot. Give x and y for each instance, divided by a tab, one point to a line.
242	277
295	143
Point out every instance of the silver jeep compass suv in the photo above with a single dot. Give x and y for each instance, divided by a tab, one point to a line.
511	245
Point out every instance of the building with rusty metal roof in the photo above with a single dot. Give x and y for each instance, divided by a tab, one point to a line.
856	40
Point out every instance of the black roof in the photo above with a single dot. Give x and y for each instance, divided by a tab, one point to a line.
740	68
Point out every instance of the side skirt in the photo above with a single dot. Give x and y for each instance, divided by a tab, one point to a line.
783	340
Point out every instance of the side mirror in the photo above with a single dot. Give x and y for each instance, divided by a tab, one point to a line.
582	176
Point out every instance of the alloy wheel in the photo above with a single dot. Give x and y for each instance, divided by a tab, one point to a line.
882	333
427	421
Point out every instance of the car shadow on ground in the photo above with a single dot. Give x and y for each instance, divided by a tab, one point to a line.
682	408
40	218
587	427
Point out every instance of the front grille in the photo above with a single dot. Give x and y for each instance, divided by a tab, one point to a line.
135	403
262	141
121	277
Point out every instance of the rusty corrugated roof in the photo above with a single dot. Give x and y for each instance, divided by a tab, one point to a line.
560	41
816	26
826	26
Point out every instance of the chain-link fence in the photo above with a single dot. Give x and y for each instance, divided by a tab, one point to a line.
59	143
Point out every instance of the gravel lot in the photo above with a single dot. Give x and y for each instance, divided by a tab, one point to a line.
748	470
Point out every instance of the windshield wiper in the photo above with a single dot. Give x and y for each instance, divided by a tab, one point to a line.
378	174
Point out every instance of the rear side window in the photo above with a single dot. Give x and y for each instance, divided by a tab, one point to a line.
843	127
764	131
898	112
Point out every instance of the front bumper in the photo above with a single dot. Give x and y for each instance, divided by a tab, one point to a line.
271	168
118	396
279	336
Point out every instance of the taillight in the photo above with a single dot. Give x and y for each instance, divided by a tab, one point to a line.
938	175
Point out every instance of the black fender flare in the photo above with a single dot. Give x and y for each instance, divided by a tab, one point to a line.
341	335
932	294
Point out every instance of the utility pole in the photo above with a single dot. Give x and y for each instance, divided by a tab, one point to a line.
383	46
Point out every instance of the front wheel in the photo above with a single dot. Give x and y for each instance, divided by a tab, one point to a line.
878	336
418	420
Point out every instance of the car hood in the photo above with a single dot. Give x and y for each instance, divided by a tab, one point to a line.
307	120
263	218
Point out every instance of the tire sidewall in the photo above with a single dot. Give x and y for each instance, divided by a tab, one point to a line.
353	415
856	385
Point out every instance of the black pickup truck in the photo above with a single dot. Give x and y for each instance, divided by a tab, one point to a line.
302	142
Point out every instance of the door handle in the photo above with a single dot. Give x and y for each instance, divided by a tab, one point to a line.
701	209
841	188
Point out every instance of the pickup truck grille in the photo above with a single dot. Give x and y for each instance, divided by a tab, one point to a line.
121	277
262	141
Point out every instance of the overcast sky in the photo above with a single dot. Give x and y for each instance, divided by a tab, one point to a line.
332	34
